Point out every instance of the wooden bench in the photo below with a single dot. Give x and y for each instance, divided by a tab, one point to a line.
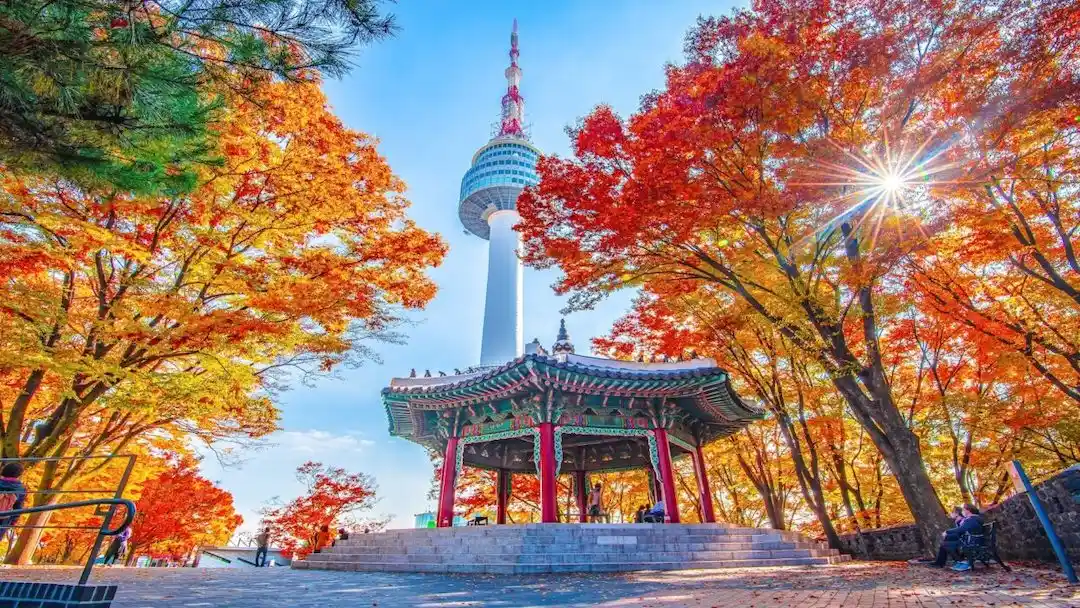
981	547
479	520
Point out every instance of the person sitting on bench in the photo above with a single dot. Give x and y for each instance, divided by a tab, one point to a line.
656	514
950	539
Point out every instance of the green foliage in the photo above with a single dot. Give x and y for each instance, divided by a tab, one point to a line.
124	95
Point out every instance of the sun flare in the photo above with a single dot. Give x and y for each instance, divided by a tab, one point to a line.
892	183
878	183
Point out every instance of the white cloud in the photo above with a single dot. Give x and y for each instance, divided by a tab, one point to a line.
320	442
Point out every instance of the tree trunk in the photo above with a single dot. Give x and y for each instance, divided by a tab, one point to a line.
869	397
772	509
809	481
694	497
27	544
759	477
899	446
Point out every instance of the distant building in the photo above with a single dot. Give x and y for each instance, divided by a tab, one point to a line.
235	557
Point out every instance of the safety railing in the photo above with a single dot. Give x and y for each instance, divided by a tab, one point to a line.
105	530
45	475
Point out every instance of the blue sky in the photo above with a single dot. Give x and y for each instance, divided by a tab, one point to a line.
431	95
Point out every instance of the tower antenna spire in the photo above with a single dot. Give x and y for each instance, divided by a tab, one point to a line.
513	104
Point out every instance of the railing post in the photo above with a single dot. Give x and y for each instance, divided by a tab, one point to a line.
85	576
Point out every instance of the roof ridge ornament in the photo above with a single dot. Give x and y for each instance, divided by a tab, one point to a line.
563	345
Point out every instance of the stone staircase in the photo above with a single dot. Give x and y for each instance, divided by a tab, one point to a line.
557	548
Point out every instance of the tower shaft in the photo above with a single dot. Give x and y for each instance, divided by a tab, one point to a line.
500	170
503	337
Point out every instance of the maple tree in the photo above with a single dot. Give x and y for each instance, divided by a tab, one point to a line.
179	510
764	177
332	497
71	532
131	314
127	94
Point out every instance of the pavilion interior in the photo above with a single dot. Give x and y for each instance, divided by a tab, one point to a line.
580	452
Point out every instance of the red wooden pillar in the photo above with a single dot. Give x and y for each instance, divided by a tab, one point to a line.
704	491
667	476
654	488
447	482
549	512
502	494
581	492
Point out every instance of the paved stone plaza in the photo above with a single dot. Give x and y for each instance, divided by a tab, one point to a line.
862	584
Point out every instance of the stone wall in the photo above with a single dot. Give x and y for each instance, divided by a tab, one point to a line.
1020	535
896	543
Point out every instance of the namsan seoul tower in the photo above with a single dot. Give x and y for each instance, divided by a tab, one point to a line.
500	170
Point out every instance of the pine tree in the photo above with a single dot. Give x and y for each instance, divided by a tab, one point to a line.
121	92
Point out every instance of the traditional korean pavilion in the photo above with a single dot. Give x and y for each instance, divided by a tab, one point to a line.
549	414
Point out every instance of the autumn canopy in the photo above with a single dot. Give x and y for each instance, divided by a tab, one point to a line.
869	213
156	320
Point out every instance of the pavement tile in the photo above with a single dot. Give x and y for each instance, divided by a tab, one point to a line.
854	584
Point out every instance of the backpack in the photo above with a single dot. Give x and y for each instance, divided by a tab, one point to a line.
8	500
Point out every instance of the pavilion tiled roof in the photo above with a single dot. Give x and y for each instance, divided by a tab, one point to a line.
699	380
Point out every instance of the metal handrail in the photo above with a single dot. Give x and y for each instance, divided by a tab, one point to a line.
129	511
112	503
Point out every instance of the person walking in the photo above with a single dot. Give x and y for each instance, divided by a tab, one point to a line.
118	547
262	546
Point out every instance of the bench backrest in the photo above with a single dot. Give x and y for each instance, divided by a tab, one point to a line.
987	539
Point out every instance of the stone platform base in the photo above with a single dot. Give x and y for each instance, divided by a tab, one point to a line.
26	594
556	548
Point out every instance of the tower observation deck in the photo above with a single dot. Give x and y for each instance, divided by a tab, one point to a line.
500	170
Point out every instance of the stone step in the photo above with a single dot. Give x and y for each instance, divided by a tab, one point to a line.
540	548
549	568
604	549
639	539
568	529
568	558
563	529
567	548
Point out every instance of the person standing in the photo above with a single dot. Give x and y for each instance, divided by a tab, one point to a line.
12	494
594	503
262	546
